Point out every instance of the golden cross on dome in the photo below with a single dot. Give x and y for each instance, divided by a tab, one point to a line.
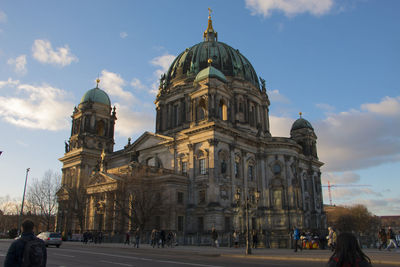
209	12
97	81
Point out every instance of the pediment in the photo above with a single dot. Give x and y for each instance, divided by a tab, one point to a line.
99	178
148	140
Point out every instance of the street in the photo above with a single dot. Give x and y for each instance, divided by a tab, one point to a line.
77	254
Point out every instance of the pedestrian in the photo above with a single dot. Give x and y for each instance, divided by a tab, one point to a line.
235	236
254	238
100	237
296	239
127	238
170	238
214	237
332	238
398	238
391	238
28	250
153	237
382	238
85	237
162	238
348	253
137	237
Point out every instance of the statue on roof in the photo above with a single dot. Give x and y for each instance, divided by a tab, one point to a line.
263	88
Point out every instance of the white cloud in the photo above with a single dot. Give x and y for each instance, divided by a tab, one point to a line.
44	53
3	17
275	96
19	64
9	82
289	7
113	84
389	106
363	138
163	62
133	116
37	107
280	126
123	35
340	178
354	139
137	84
130	122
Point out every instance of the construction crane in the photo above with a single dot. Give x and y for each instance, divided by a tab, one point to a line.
341	185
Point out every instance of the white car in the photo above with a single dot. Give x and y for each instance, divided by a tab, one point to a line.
51	238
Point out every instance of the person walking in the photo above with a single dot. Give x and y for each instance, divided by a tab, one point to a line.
162	238
214	237
348	253
382	238
137	237
296	239
235	236
332	238
153	237
254	237
127	238
28	250
391	238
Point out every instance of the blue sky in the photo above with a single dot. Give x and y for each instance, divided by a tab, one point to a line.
336	61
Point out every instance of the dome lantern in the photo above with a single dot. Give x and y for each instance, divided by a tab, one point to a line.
209	34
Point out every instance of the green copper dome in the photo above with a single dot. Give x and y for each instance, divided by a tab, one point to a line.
224	58
96	95
210	72
301	124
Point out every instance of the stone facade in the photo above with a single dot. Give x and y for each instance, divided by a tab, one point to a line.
212	141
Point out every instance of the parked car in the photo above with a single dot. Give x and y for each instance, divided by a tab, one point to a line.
51	238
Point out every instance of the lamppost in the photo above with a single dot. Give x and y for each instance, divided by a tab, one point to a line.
246	209
23	200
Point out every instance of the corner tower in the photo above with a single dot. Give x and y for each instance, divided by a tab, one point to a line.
92	131
92	137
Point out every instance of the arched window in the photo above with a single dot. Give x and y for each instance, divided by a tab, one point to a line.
250	172
100	128
202	162
223	110
176	115
201	110
240	106
252	116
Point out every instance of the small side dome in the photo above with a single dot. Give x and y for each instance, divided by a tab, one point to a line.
301	124
96	95
210	72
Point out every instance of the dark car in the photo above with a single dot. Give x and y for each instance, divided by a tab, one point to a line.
51	238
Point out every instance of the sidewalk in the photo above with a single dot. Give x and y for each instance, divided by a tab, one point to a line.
377	257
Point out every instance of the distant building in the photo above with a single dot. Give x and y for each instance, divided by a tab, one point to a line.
212	140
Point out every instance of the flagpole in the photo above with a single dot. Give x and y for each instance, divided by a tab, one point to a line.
23	200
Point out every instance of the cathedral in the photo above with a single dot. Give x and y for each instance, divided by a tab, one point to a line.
211	163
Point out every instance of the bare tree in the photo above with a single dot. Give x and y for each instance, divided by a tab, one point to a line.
139	200
76	204
10	206
42	198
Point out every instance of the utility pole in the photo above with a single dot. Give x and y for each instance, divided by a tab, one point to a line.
23	200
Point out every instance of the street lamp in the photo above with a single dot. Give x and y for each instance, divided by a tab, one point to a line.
246	208
23	200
